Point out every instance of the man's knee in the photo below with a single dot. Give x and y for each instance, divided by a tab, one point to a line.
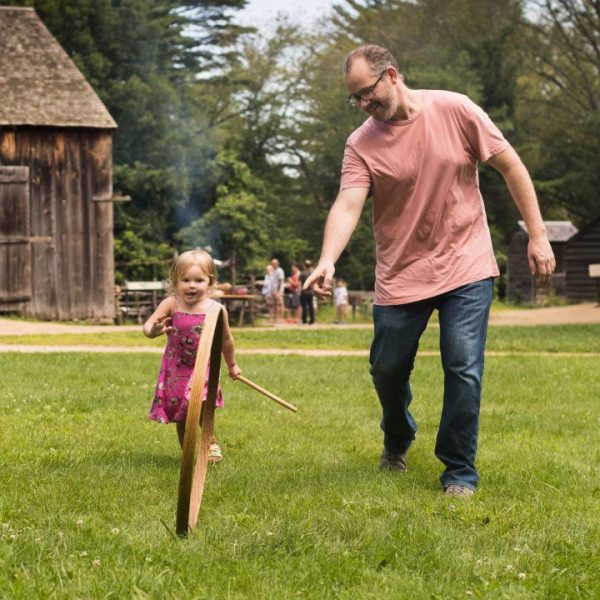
390	368
463	361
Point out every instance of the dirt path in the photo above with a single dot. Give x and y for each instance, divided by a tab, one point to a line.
579	313
29	349
556	315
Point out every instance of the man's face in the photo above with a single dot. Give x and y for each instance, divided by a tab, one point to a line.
361	78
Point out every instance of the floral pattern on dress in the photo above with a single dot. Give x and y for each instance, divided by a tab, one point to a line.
173	387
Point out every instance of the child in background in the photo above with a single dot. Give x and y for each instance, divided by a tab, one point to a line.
181	316
341	301
267	291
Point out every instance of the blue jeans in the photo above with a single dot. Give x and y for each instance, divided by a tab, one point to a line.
463	317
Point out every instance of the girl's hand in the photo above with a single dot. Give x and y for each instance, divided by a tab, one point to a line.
234	371
160	326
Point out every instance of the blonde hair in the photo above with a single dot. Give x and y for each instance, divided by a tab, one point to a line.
185	260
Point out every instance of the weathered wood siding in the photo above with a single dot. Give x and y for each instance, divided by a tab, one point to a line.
72	234
520	282
15	247
583	250
522	287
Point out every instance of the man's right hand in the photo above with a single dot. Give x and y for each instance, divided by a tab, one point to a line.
320	279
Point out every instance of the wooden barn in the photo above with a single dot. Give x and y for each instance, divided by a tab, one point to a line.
522	287
583	250
56	215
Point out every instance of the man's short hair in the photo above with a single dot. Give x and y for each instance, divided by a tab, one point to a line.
377	57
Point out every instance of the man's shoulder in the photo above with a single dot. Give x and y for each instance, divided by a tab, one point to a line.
445	100
363	132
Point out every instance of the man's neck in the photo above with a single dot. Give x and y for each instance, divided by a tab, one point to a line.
409	104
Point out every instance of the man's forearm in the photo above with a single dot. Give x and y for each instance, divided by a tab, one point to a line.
341	223
539	251
522	191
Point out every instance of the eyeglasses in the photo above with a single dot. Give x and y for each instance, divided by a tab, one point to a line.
366	94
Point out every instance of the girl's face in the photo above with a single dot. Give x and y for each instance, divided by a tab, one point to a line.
193	285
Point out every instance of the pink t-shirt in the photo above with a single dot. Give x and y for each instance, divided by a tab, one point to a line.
431	232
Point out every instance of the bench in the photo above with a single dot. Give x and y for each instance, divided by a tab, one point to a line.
138	299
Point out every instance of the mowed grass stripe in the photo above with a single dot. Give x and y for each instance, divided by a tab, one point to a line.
261	351
548	338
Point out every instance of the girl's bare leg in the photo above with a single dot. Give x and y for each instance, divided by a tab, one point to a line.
217	456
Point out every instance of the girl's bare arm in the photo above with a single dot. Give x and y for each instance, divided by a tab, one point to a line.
228	348
159	321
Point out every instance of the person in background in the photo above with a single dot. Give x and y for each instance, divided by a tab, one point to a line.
306	295
278	289
340	299
294	285
267	292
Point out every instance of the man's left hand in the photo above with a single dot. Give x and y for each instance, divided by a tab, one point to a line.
541	258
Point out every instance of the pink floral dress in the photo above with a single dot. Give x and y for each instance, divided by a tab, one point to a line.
173	387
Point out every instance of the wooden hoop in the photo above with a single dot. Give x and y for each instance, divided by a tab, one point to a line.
200	422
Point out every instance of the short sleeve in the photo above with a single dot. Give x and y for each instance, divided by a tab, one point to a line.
483	136
355	172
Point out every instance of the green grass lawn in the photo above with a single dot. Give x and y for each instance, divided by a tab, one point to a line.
297	509
548	338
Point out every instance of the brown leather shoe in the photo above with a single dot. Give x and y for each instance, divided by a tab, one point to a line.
391	461
458	490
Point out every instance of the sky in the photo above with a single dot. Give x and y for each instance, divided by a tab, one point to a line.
260	12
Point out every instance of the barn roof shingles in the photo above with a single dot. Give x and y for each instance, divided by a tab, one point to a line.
557	231
39	84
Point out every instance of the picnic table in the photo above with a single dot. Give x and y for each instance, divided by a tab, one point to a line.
240	307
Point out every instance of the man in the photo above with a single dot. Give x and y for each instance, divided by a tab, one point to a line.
417	156
278	289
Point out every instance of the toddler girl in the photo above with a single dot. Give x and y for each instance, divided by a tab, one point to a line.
181	316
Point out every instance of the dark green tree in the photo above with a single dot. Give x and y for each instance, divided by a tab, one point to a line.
238	227
561	104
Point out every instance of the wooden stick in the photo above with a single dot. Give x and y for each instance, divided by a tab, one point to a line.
266	393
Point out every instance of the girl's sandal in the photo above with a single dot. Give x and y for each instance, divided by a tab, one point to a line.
214	453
